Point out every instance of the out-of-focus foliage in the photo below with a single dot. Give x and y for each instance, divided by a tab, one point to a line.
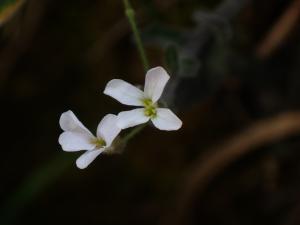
201	51
8	8
59	56
6	3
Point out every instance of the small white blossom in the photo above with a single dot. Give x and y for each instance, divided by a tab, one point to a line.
77	137
127	94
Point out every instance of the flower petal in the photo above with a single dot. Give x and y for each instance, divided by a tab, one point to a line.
75	141
108	129
86	158
69	122
166	120
131	118
124	92
155	82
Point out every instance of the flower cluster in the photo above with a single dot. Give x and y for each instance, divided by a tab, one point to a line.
77	137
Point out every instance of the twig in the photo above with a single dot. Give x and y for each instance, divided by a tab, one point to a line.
10	11
17	46
280	31
112	36
116	33
202	172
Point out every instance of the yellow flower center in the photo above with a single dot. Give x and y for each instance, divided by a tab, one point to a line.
99	142
150	108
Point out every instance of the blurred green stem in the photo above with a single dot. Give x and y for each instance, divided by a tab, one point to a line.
133	132
130	13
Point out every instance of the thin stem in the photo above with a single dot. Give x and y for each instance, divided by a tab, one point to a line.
130	13
133	132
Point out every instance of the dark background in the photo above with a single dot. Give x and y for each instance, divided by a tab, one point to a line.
235	67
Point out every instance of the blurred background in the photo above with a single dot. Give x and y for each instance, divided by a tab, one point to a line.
235	67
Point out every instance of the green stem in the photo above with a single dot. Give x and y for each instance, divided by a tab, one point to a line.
130	13
133	132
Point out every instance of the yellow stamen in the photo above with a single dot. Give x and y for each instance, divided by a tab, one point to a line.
150	108
99	142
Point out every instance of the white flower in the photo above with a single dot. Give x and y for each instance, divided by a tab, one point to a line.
77	137
125	93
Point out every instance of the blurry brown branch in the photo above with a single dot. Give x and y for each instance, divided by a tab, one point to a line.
20	43
104	44
117	33
10	11
280	31
205	168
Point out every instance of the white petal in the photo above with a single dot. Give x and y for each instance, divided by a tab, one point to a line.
86	158
108	129
166	120
124	92
69	122
156	80
76	141
131	118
